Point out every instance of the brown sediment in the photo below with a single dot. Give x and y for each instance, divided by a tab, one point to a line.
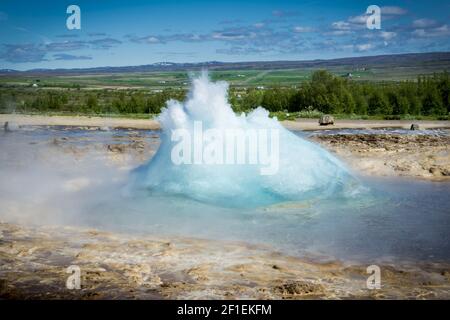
418	156
34	262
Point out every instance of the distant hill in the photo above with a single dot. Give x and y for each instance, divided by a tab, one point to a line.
397	60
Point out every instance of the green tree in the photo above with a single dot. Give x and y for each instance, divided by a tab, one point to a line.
378	104
251	99
443	86
361	105
92	103
398	103
348	102
275	99
432	102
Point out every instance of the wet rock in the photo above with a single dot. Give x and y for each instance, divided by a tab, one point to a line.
10	126
199	273
276	267
120	148
326	119
435	171
138	145
2	286
141	274
438	171
299	288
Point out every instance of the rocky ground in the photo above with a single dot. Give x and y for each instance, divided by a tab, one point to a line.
34	262
418	156
131	149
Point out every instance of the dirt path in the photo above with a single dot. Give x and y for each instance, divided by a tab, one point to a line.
82	121
300	124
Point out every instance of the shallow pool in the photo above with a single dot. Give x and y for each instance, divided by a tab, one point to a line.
392	219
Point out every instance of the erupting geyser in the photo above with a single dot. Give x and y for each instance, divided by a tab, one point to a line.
200	156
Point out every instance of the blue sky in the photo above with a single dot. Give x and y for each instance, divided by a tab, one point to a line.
134	32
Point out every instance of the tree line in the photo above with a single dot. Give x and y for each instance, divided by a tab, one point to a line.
323	93
86	101
331	94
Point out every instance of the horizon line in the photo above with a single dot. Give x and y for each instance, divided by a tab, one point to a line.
2	71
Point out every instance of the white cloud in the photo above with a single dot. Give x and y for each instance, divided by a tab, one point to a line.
341	25
338	33
299	29
352	23
195	37
442	31
424	23
393	10
361	19
151	40
386	35
419	33
259	25
232	35
356	47
347	47
364	47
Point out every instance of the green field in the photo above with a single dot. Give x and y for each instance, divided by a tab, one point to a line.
236	78
161	80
